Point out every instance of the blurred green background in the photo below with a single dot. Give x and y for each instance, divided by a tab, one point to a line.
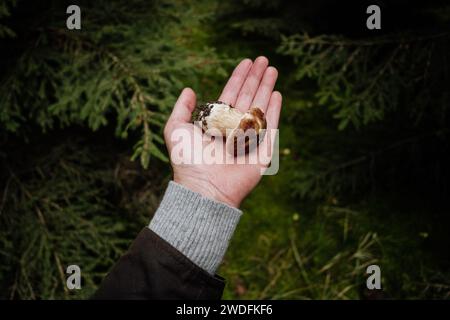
364	169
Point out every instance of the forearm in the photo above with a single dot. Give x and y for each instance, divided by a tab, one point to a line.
177	256
198	227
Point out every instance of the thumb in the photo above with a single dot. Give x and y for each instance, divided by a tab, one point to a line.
184	107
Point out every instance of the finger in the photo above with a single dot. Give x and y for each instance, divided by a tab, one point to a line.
273	110
265	89
251	84
272	118
231	90
184	106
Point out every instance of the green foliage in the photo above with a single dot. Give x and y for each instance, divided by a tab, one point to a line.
57	214
5	11
125	67
280	253
362	80
288	250
364	133
392	91
76	202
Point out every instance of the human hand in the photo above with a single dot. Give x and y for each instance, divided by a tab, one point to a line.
251	84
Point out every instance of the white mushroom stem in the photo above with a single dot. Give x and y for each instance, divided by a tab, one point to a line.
221	116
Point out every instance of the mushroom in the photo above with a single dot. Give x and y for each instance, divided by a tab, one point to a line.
231	123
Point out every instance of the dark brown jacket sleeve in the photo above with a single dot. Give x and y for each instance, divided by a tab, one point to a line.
153	269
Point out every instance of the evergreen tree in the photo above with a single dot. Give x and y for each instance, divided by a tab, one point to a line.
64	199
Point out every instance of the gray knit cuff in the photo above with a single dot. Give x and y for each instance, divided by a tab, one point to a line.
198	227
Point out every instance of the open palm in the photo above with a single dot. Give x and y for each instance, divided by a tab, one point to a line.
250	84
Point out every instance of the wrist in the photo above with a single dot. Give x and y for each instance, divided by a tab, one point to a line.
206	189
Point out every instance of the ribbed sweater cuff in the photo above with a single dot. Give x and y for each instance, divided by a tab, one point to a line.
198	227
